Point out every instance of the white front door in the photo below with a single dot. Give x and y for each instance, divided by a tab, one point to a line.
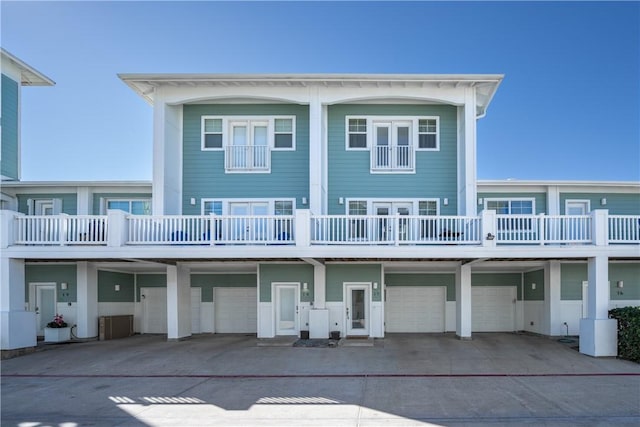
358	302
43	302
287	308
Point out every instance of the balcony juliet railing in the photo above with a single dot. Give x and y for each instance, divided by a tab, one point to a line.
392	158
125	229
247	158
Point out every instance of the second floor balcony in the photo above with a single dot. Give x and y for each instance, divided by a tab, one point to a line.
303	229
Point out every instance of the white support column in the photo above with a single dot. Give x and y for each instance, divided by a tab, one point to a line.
489	228
303	228
598	333
467	193
178	302
117	228
463	301
552	286
319	286
600	227
87	300
17	326
315	151
167	157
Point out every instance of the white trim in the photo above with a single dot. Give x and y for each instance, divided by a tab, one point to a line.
417	144
415	203
586	202
366	133
226	202
511	199
229	120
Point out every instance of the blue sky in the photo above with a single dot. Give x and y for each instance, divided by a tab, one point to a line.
568	108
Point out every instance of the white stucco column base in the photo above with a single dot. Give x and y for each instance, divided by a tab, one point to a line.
319	324
17	329
599	337
87	297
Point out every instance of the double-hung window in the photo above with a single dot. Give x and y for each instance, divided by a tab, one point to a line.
248	141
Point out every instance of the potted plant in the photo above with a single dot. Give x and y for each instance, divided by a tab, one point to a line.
57	330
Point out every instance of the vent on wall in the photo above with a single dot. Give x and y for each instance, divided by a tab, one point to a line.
112	327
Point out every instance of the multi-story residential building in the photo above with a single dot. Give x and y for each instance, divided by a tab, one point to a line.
283	203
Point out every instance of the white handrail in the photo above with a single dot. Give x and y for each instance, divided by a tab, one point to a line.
61	230
624	228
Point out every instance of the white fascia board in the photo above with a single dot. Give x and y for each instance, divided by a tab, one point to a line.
371	253
563	186
145	84
29	76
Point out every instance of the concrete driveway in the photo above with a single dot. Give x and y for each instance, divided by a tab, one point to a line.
405	379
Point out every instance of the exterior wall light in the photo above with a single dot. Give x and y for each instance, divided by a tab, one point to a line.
620	284
341	200
603	201
445	201
305	288
490	236
63	286
117	287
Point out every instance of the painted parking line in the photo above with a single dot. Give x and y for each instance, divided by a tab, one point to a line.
278	376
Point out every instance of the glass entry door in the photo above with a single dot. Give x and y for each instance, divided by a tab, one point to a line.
287	308
43	302
357	303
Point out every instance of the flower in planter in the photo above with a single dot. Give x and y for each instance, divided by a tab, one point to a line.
58	322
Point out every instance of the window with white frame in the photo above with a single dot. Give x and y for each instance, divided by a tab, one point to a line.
357	133
428	138
393	140
132	206
516	207
247	141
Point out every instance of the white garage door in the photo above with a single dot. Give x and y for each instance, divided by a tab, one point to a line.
236	310
415	308
493	308
154	310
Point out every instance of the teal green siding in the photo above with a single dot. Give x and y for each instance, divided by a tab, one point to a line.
203	171
338	274
498	279
270	273
10	148
97	198
350	173
107	281
539	198
53	273
536	294
572	276
630	275
209	281
401	279
617	204
69	201
150	281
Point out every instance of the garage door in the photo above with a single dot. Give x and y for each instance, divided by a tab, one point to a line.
493	308
154	310
236	310
415	309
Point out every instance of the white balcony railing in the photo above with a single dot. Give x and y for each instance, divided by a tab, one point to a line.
125	229
624	229
541	229
210	229
398	158
247	158
61	230
394	230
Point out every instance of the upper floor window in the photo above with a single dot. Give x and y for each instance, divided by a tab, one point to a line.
247	141
393	140
357	133
134	207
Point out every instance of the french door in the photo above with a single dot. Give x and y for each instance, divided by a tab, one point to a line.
386	228
392	145
252	228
